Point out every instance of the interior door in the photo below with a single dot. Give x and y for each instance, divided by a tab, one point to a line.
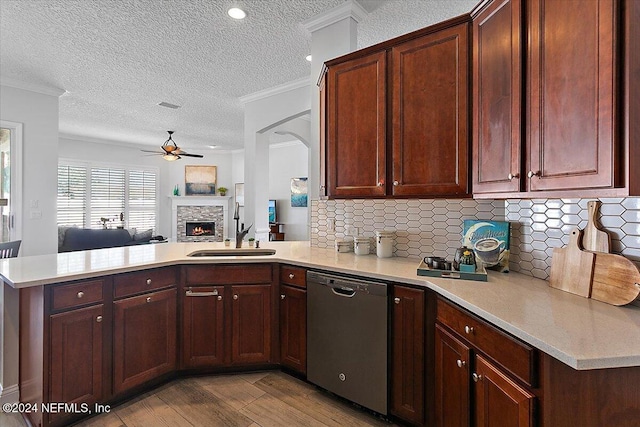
10	180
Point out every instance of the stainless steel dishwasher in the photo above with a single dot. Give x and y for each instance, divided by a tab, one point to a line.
347	338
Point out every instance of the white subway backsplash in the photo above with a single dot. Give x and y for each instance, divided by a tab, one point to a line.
434	226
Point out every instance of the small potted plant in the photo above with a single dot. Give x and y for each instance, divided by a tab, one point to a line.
251	241
227	242
223	191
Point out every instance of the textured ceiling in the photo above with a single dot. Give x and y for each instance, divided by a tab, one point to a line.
118	59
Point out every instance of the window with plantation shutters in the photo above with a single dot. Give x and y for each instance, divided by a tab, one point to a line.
107	195
90	195
72	188
142	199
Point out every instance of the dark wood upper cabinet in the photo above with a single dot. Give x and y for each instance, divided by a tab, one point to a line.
408	354
572	93
497	94
356	114
430	86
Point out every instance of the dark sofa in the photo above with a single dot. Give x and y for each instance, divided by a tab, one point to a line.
79	239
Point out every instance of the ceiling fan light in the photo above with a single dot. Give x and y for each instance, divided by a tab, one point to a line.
170	157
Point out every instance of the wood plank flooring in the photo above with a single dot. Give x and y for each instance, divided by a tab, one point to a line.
261	399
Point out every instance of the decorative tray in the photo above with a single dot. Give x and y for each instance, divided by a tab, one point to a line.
480	274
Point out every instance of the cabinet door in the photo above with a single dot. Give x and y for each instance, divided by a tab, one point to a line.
203	327
356	110
407	372
430	114
77	356
251	324
144	338
571	88
323	136
498	400
497	100
452	381
293	328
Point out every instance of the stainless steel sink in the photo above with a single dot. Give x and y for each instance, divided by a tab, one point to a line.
232	252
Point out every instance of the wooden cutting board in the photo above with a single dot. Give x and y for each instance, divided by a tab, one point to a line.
594	237
616	280
572	268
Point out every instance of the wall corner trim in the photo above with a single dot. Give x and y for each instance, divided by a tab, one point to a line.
349	9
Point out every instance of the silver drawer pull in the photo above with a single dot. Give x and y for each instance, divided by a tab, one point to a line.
148	281
80	294
235	296
219	297
468	329
476	377
396	300
191	293
291	275
282	296
148	299
99	319
460	363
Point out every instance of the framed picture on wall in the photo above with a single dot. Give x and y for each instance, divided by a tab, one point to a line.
298	192
240	193
200	180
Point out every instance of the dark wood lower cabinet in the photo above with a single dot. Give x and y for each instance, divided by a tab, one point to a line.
408	354
499	401
203	327
77	357
452	381
144	338
293	328
251	324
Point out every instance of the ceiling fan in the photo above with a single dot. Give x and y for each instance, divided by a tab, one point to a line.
170	151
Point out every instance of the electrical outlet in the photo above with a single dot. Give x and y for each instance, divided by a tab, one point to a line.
331	224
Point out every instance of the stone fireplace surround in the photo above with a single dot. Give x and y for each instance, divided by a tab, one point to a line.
197	208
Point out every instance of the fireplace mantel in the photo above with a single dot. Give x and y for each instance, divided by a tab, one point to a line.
176	201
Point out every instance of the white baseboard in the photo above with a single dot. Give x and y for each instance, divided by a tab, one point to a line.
10	394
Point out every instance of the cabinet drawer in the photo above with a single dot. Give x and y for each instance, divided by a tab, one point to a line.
77	294
228	274
516	357
143	281
293	276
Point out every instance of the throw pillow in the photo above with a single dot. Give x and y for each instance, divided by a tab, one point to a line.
145	236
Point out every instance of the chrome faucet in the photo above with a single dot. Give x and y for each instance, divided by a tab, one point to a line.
239	233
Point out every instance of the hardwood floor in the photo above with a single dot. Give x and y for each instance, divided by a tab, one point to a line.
245	400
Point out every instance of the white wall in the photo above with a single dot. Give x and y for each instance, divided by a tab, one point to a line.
39	115
286	161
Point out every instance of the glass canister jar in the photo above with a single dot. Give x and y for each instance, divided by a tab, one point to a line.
384	243
361	245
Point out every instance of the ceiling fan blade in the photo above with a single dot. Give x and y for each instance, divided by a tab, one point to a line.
191	155
149	151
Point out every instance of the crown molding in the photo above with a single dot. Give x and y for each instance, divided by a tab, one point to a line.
286	87
293	143
32	87
349	9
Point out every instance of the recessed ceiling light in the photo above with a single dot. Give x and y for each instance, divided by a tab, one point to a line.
236	13
213	146
308	58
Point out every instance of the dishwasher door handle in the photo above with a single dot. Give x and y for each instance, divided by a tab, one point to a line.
343	292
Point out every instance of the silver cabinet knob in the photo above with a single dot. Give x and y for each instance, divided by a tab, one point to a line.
468	329
396	300
148	281
380	183
531	174
235	296
80	294
460	363
219	297
511	176
476	377
148	299
282	296
99	319
291	275
396	183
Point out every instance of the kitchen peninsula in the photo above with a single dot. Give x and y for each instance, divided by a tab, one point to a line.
584	355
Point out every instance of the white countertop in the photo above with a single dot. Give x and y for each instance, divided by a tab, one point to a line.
583	333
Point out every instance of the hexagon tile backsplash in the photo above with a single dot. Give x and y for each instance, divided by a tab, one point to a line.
434	227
